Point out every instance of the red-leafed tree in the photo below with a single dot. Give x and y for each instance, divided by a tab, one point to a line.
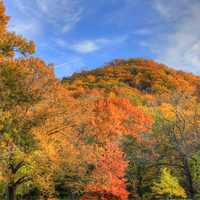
113	118
108	181
117	117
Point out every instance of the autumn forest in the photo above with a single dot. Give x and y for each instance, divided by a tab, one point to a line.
129	130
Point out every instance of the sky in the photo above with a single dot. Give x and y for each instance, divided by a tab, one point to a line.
79	35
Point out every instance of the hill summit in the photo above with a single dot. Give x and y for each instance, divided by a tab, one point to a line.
146	76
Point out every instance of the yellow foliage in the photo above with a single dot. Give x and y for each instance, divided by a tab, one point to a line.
167	111
168	185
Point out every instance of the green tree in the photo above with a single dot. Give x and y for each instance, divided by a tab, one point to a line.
176	132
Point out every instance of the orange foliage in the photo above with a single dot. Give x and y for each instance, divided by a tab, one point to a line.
112	119
108	181
118	117
139	74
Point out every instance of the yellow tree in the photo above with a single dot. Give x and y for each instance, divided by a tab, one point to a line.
168	185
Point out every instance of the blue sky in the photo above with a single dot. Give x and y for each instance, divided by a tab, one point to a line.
84	34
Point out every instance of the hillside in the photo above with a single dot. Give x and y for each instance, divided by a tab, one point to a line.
142	75
171	98
127	131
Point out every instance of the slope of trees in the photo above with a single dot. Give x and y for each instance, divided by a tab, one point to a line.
146	76
128	130
171	98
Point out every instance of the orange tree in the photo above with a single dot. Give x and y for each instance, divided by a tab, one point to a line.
113	118
37	140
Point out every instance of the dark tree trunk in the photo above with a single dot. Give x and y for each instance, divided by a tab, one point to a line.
11	193
189	182
139	184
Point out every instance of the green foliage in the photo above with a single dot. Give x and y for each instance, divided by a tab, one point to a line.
140	171
195	168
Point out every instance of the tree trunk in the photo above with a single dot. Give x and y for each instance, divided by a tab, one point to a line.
189	182
139	184
11	193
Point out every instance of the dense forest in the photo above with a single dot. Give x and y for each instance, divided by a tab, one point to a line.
128	130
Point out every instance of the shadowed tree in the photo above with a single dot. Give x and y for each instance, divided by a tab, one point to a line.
178	135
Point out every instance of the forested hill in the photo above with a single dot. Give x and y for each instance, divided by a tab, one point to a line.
143	75
127	131
171	149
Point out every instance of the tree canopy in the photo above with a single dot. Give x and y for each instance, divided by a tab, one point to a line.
127	130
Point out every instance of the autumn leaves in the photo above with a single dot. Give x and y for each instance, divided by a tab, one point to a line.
47	141
127	130
113	119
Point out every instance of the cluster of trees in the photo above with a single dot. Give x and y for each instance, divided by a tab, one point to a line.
163	160
143	75
117	133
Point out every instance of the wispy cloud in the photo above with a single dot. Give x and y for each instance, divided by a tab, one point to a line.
28	29
172	10
61	15
181	46
73	64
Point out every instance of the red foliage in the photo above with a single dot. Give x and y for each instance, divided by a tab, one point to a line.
118	117
108	181
113	118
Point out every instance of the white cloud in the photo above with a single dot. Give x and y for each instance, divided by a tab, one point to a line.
90	46
181	46
86	46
